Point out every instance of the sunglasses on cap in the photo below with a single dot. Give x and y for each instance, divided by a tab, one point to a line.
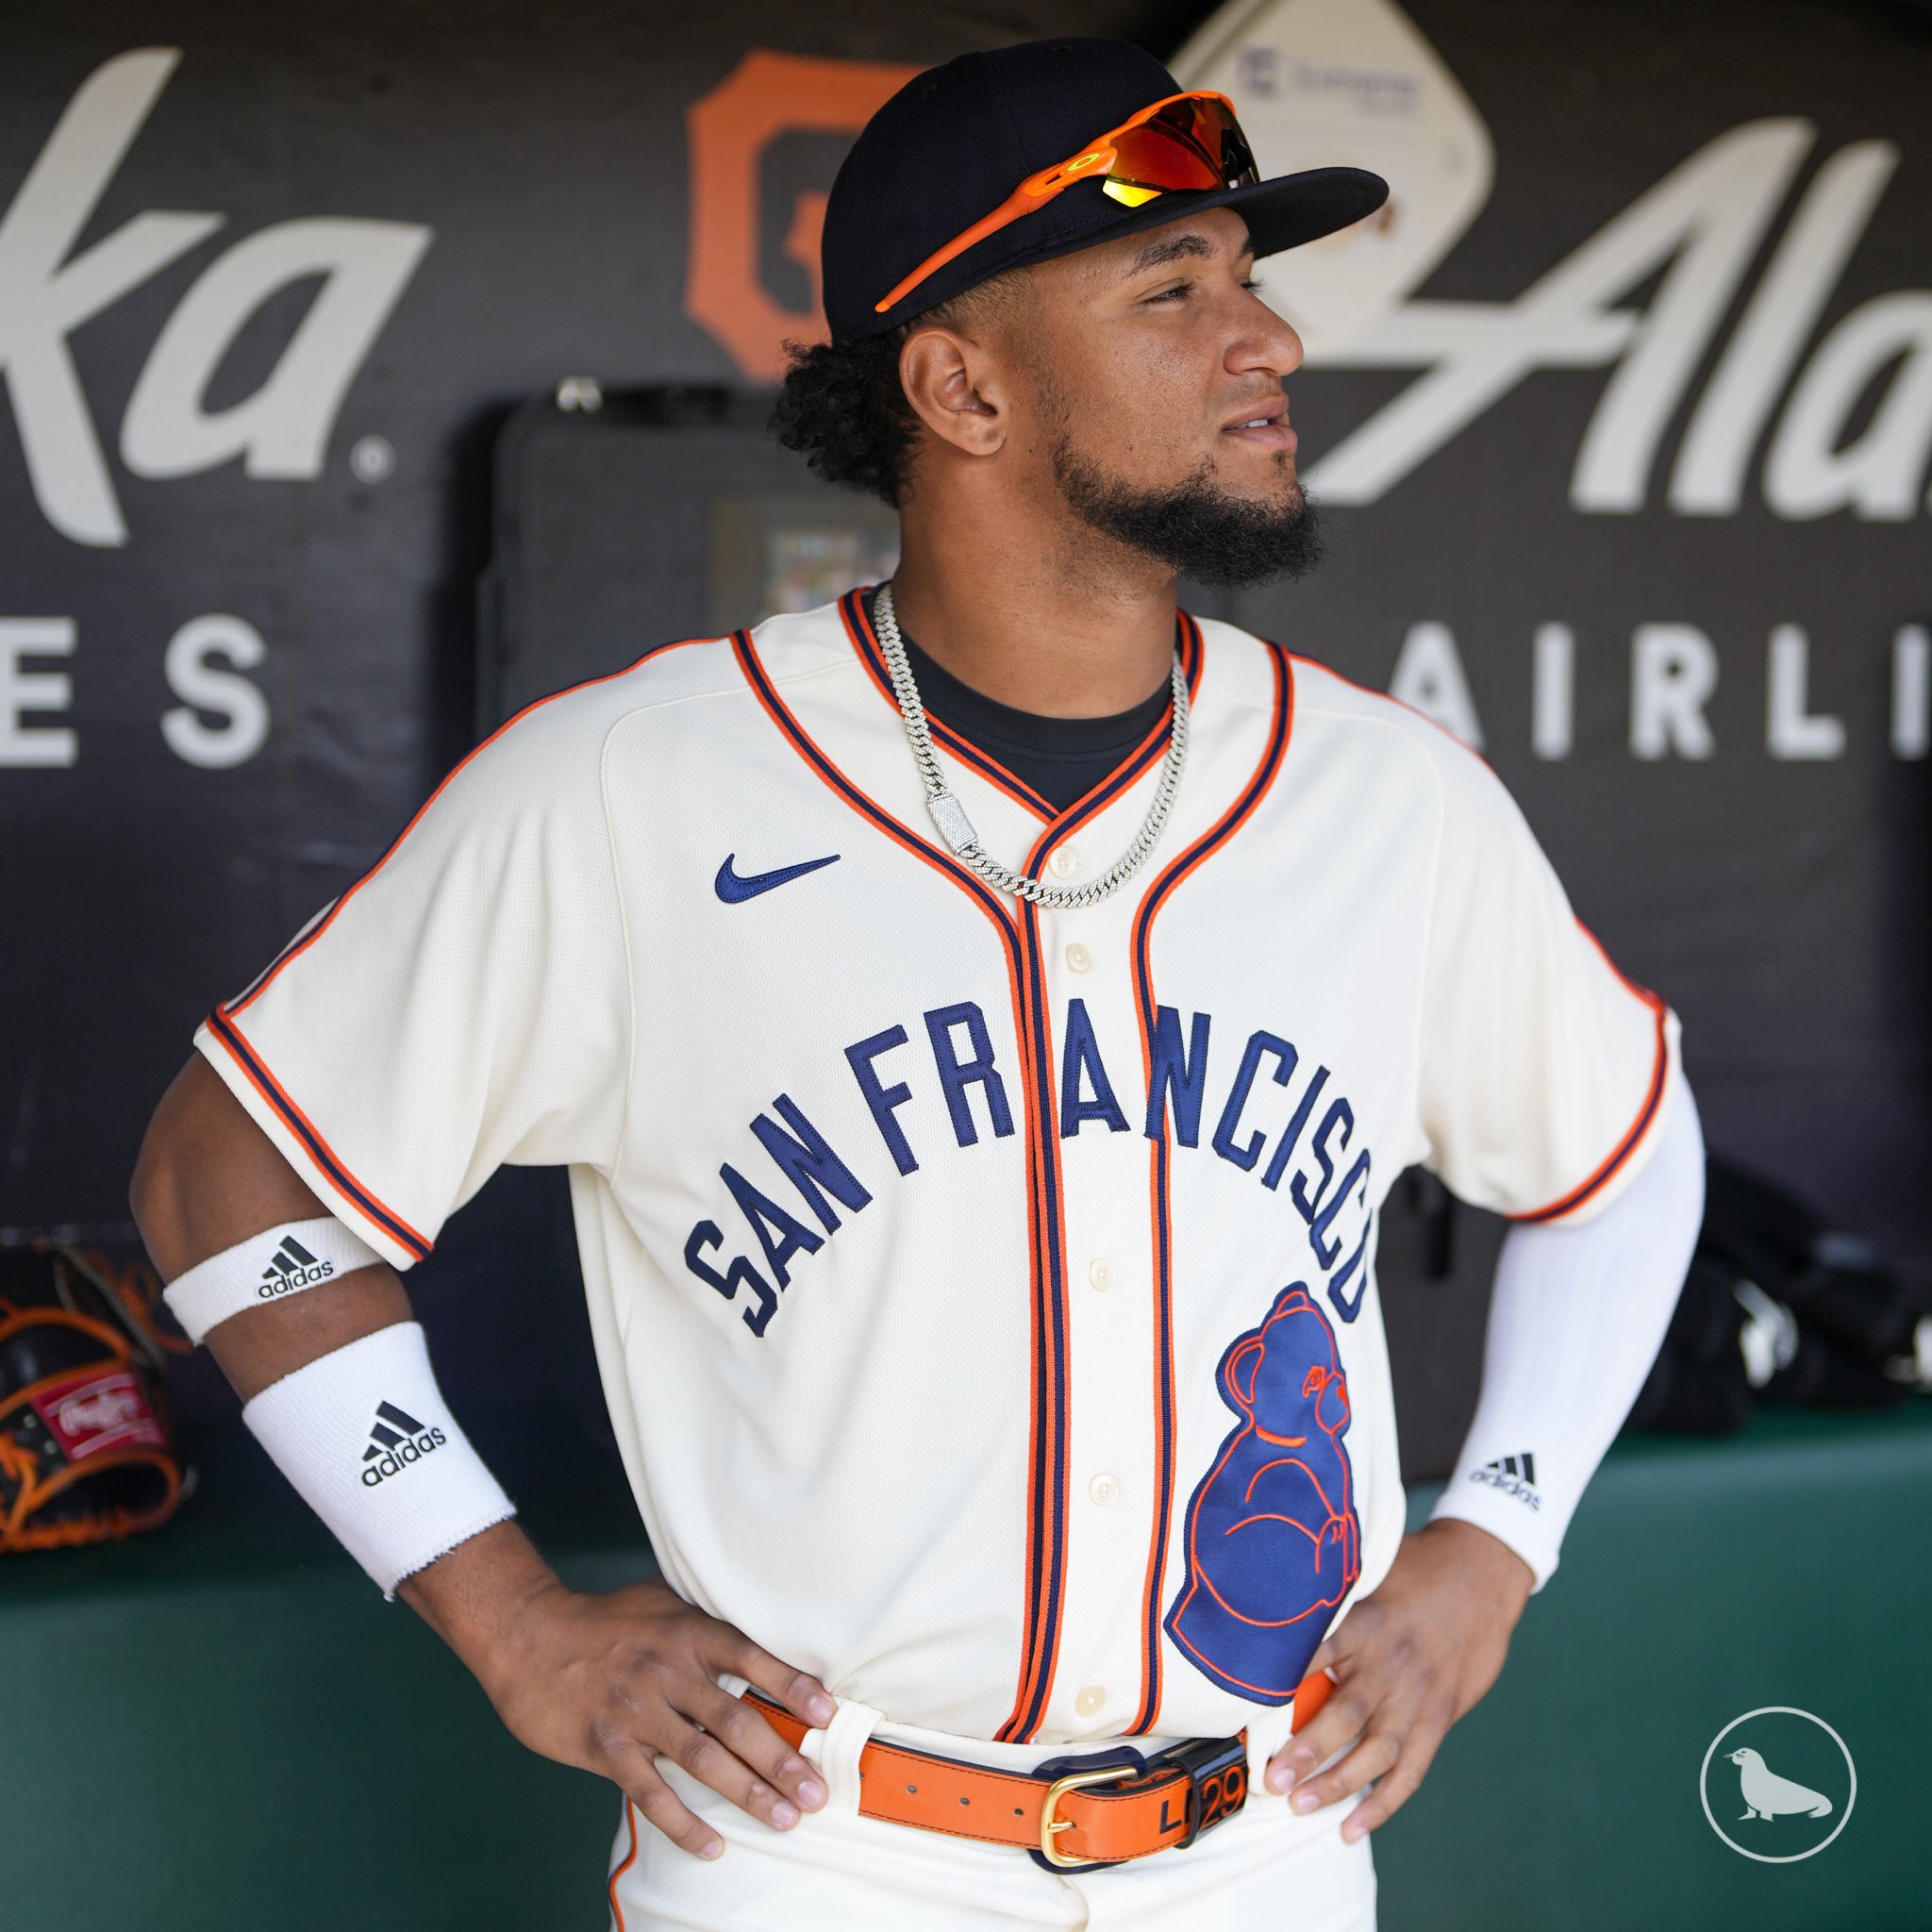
1186	140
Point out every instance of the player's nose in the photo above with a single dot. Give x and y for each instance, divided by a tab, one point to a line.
1265	343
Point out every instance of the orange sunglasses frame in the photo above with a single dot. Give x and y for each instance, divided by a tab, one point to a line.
1097	158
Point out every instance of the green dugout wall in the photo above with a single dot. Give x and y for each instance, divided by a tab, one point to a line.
222	1726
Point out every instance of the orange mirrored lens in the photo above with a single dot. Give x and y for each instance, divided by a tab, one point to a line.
1193	140
1190	144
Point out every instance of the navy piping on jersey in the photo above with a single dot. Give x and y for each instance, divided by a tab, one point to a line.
1048	764
1046	1567
1157	894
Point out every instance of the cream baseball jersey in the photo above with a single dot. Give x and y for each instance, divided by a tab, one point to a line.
984	1295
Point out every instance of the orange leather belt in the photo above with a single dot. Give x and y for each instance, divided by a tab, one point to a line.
1073	1813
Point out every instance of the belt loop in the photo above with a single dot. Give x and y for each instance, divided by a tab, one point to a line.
835	1751
1271	1728
1267	1731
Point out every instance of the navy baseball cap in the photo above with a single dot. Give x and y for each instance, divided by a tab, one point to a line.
954	141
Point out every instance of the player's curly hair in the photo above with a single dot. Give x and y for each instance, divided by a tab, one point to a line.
842	407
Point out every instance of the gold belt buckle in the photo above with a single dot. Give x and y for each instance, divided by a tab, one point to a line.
1049	1824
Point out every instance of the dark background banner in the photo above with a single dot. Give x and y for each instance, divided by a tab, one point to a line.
1631	490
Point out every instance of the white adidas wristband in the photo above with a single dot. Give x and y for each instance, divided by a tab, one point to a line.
264	1268
364	1435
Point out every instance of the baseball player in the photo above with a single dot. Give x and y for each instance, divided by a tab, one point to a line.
982	1019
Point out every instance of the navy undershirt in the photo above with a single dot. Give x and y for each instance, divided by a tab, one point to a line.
1061	758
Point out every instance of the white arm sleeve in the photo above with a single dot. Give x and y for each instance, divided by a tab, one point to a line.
1576	1322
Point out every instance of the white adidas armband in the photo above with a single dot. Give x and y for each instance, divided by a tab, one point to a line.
263	1269
364	1435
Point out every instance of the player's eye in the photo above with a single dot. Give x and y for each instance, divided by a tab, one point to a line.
1253	282
1175	294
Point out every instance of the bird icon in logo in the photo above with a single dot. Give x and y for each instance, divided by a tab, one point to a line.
1767	1795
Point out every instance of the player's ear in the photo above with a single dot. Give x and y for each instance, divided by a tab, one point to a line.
956	391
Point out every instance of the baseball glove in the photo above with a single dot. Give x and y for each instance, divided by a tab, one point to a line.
85	1450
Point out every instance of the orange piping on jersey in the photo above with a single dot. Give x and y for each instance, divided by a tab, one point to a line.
1633	1135
1139	758
368	1206
1142	755
630	1858
1642	993
842	787
1389	697
309	937
1273	756
1576	1197
1046	1448
1044	1541
865	646
1046	1602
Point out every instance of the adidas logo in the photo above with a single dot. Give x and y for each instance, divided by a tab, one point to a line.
395	1440
1515	1475
292	1266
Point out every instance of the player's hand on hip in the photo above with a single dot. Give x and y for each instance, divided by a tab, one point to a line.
611	1682
1408	1660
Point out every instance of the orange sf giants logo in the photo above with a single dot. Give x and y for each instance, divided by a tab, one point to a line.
765	96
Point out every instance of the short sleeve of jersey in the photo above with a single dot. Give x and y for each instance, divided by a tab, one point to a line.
464	1005
1545	1074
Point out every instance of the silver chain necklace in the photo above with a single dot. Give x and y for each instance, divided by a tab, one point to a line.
949	815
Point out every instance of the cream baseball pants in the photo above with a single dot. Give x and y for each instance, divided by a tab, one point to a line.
1263	1870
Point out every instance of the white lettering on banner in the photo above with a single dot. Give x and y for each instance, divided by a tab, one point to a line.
22	690
1806	474
1788	731
279	429
1911	691
1784	306
223	718
1553	691
194	675
1429	674
221	721
1672	674
282	430
1702	225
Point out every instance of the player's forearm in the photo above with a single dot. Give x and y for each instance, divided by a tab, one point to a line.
1576	1322
323	1358
472	1595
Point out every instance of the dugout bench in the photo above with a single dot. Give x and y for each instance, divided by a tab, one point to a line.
221	1726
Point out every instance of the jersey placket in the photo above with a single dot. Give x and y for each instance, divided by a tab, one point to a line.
1114	1189
1097	1473
1110	1311
1096	1485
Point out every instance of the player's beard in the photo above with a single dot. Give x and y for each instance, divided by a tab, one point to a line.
1198	529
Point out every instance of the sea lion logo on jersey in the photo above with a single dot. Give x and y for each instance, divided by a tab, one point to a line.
1273	1540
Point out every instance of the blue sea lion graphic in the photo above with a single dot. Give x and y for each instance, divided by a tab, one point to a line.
1273	1540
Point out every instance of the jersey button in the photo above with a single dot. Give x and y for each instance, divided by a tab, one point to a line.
1065	862
1091	1700
1078	958
1104	1489
1100	1273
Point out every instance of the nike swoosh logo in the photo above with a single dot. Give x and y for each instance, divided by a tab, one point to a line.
734	891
